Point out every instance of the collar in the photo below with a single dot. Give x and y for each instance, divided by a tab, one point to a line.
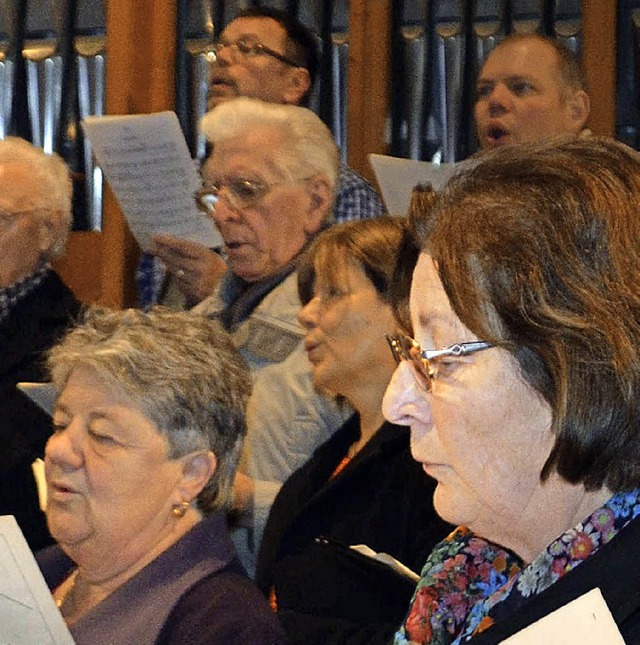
12	295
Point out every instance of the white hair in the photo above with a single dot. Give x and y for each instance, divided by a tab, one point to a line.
51	175
307	147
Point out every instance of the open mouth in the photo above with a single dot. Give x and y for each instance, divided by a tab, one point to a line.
497	135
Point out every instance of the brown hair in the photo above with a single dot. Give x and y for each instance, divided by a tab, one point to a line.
372	244
537	248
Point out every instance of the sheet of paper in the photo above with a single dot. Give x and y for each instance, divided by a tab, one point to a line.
37	467
146	161
397	178
387	559
28	613
42	394
585	620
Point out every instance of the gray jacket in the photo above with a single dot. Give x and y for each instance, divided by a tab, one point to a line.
287	419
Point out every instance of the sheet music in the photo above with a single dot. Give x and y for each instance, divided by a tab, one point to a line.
146	161
397	178
28	613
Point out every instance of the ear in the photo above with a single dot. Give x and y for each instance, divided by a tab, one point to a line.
578	110
47	230
197	469
298	84
320	204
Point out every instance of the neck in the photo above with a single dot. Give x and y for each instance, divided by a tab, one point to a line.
365	397
101	570
562	505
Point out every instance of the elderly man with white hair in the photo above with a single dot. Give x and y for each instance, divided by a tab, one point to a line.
35	308
269	185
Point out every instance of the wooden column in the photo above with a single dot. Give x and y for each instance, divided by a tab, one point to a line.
140	79
369	80
140	69
599	57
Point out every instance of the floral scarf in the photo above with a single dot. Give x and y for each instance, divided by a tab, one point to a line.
468	584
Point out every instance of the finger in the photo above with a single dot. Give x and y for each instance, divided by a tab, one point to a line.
170	246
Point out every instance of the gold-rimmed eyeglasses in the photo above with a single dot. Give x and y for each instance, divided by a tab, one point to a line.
425	361
249	48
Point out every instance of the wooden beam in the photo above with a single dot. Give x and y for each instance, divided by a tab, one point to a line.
599	58
140	79
369	80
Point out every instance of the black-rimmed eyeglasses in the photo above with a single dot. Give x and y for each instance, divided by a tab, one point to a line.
424	361
248	48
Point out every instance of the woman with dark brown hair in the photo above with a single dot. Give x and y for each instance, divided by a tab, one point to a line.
361	487
521	389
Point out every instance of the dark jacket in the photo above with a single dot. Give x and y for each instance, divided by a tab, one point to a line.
614	569
32	327
194	592
325	591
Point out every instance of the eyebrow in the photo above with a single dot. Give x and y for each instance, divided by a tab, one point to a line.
64	409
428	320
510	77
249	35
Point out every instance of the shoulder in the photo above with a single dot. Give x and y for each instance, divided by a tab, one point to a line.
356	198
282	302
224	607
51	301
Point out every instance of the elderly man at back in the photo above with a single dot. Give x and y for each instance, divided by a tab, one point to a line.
267	54
269	185
35	308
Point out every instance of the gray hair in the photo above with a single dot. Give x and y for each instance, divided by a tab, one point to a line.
55	190
182	370
307	144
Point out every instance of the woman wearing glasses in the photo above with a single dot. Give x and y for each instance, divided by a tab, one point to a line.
361	487
528	418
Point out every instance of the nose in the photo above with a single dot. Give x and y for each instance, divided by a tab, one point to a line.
405	403
308	315
499	100
223	210
63	449
224	56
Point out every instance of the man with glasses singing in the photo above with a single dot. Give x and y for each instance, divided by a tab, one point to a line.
269	186
35	309
266	54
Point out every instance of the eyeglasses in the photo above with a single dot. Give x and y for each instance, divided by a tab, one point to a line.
9	218
425	361
248	48
240	193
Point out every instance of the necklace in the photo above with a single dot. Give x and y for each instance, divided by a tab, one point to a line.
70	584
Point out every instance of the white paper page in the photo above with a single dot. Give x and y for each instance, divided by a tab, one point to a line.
387	559
397	178
585	620
44	395
146	161
28	613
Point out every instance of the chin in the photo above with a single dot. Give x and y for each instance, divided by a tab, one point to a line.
67	529
323	384
454	507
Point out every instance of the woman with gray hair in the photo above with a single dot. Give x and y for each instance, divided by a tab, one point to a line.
148	427
521	392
